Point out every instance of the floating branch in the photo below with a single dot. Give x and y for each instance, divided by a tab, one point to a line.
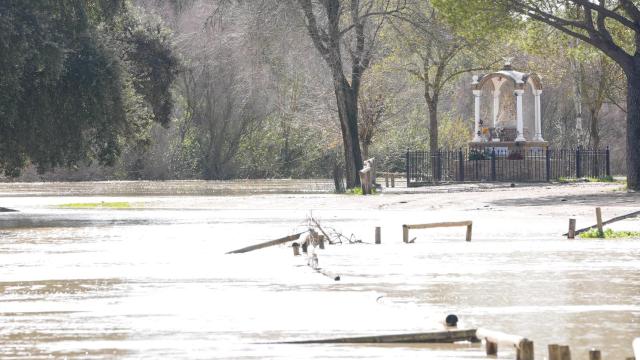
427	337
267	244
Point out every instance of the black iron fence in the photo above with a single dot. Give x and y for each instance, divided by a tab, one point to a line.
525	165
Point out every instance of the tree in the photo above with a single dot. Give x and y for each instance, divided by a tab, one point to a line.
435	56
77	79
222	87
612	26
354	25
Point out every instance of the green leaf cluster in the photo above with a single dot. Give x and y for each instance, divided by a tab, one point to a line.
78	79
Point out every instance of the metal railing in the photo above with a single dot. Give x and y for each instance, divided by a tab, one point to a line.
523	165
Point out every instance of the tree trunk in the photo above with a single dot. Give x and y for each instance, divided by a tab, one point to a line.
347	101
433	138
594	132
633	127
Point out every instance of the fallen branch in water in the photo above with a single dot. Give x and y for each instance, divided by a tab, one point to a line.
267	244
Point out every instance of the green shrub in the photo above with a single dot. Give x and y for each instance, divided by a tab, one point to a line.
609	234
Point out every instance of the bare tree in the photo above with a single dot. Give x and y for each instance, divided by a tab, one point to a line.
353	25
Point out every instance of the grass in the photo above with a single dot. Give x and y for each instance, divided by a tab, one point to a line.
358	191
97	205
609	234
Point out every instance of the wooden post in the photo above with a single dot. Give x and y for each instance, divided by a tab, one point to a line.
564	352
599	222
525	352
554	351
405	233
386	180
378	238
572	231
594	354
393	180
469	232
321	241
491	348
305	244
296	249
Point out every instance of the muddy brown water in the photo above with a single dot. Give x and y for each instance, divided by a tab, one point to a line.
154	282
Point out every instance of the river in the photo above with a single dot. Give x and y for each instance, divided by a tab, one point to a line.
153	281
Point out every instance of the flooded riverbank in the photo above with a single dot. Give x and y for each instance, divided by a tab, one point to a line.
152	280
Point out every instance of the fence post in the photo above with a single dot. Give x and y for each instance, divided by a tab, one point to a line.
607	162
547	159
460	166
406	165
493	164
578	170
439	165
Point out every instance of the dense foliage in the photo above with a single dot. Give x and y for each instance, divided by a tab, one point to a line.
79	80
91	83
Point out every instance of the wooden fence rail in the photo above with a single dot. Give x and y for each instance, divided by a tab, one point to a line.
406	228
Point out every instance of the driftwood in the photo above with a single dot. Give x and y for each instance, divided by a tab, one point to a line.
267	244
427	337
617	218
3	209
328	274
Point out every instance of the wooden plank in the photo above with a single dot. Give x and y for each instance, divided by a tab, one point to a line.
525	352
267	244
499	337
441	224
554	351
426	337
610	221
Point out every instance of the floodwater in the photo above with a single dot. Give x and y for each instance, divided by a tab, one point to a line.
154	282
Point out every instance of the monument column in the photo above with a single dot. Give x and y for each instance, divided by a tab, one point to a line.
538	115
519	119
496	106
476	95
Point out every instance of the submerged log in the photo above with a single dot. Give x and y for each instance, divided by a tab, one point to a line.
426	337
267	244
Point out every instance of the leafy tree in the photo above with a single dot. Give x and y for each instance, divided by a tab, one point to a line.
77	80
612	26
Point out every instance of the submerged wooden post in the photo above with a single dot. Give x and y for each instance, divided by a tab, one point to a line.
594	354
405	233
469	227
554	351
296	249
572	231
599	222
393	180
378	237
525	352
386	180
491	348
564	352
321	241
